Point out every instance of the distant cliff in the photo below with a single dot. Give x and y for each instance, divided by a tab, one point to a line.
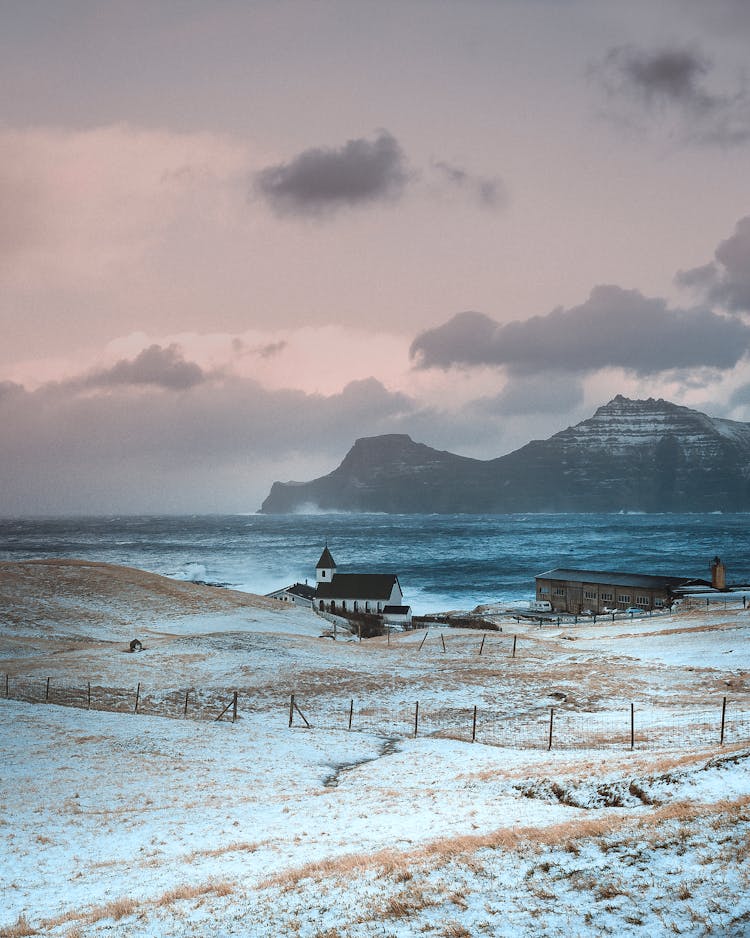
647	455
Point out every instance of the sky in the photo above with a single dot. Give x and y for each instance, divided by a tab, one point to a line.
236	236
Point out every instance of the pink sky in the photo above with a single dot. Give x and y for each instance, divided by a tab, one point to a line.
235	237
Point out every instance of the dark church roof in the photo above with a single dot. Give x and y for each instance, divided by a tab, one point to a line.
396	610
358	586
326	561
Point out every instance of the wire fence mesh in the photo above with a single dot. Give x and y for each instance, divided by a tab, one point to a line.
539	728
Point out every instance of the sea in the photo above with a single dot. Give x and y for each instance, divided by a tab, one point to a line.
443	562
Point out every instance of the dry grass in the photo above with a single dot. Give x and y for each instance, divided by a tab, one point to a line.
116	909
609	890
237	847
179	893
566	835
18	929
455	930
406	903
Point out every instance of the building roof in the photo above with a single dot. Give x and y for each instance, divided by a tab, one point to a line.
358	586
396	610
297	589
646	580
326	561
302	589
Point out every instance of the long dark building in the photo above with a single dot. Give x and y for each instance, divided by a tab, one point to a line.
577	591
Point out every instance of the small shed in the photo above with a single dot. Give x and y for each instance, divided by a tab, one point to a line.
397	615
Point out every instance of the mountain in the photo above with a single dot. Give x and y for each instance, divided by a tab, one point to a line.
631	455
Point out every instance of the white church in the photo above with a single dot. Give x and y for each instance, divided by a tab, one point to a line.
374	593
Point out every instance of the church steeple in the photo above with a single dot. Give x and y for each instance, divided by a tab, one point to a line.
326	567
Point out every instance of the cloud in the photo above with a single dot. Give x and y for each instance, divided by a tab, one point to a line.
9	388
549	393
489	191
156	366
613	328
672	75
672	84
118	224
740	397
725	280
323	179
272	349
218	444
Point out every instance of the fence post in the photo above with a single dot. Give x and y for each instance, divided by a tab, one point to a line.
351	712
359	630
137	697
46	693
291	709
234	708
474	726
88	696
416	718
423	640
184	709
551	717
723	717
481	647
632	726
6	686
515	637
442	639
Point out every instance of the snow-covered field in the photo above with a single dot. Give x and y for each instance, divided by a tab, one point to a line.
147	826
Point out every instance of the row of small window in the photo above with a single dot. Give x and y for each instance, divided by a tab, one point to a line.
603	597
353	607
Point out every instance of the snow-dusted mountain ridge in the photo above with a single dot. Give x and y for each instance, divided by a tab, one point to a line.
632	455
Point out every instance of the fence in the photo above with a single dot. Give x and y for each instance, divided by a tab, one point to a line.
542	728
633	727
187	703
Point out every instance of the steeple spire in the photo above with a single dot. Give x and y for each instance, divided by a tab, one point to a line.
326	567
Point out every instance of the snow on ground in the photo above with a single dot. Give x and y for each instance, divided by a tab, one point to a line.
146	826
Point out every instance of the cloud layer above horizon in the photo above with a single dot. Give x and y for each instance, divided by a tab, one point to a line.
234	239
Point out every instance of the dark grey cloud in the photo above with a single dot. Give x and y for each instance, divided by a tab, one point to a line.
670	86
613	328
156	365
725	281
489	191
324	179
672	75
550	393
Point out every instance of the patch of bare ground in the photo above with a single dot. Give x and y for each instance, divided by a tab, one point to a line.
42	591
